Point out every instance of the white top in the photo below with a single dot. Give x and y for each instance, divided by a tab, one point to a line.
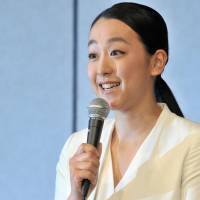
165	167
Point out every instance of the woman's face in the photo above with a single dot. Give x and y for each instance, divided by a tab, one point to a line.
119	67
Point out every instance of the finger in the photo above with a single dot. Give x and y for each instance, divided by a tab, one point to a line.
87	148
84	161
86	174
86	157
91	166
90	148
80	149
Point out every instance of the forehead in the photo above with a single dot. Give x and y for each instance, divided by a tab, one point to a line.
105	29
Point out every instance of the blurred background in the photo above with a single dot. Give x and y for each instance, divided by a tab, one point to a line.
44	90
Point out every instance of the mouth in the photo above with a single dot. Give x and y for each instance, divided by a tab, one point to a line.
108	86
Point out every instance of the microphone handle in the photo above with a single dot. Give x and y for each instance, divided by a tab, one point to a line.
85	188
94	133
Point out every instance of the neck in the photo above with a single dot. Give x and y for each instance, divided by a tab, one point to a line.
136	122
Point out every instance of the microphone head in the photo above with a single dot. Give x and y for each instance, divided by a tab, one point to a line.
98	108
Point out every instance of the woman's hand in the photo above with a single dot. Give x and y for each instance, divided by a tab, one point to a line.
84	165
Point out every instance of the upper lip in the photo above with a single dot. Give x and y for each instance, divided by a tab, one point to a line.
107	82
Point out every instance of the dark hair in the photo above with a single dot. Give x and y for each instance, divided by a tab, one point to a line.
152	29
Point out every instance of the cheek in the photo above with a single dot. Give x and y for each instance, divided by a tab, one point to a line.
133	73
126	70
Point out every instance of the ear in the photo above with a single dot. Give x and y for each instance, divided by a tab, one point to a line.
158	62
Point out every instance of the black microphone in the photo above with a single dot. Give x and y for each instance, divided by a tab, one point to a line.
98	110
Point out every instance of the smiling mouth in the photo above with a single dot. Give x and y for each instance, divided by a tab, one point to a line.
107	86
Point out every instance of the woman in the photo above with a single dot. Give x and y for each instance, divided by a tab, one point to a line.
149	151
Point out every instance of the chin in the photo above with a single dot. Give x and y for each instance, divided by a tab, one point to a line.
113	102
113	105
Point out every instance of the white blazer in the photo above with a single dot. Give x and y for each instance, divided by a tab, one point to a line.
165	167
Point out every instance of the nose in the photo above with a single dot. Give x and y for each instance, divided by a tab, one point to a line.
105	65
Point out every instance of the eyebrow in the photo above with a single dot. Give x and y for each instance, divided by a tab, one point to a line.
111	40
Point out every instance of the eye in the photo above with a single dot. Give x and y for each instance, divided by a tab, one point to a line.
117	53
92	56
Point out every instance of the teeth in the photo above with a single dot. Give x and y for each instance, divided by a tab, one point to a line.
109	85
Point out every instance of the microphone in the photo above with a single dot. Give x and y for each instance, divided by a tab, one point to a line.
98	110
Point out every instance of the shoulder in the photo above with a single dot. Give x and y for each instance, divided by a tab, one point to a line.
180	127
190	170
68	150
79	137
177	132
184	128
73	142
